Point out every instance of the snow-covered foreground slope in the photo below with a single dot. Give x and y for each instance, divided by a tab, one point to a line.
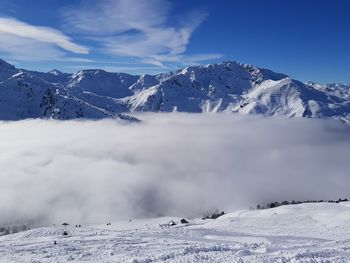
225	87
295	233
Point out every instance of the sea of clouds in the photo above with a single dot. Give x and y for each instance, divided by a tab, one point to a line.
168	164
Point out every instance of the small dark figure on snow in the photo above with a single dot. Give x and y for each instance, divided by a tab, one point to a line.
184	221
172	223
65	224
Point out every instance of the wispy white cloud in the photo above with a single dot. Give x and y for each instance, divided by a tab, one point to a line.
25	49
109	17
23	41
73	59
183	59
138	28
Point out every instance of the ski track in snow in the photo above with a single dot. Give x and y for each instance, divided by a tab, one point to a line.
295	233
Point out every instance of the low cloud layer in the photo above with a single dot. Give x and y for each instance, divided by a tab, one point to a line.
170	164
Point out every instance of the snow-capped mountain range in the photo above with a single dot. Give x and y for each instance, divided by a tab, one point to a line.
225	87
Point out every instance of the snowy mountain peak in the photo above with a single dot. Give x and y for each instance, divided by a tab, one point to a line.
55	72
222	87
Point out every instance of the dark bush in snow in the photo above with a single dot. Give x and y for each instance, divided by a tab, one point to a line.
213	215
277	204
184	221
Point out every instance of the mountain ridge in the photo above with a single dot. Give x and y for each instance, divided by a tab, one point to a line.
221	87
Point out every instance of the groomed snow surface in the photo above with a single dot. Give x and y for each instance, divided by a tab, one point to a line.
315	232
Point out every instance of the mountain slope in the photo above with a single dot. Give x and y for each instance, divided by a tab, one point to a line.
293	233
6	70
225	87
25	96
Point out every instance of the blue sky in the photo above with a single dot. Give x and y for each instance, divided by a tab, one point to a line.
309	40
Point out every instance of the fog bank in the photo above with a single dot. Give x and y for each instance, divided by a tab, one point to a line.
170	164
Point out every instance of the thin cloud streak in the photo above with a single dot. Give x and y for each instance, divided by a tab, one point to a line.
23	41
96	61
118	69
24	49
41	34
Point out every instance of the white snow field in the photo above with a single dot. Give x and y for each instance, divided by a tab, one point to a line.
314	232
